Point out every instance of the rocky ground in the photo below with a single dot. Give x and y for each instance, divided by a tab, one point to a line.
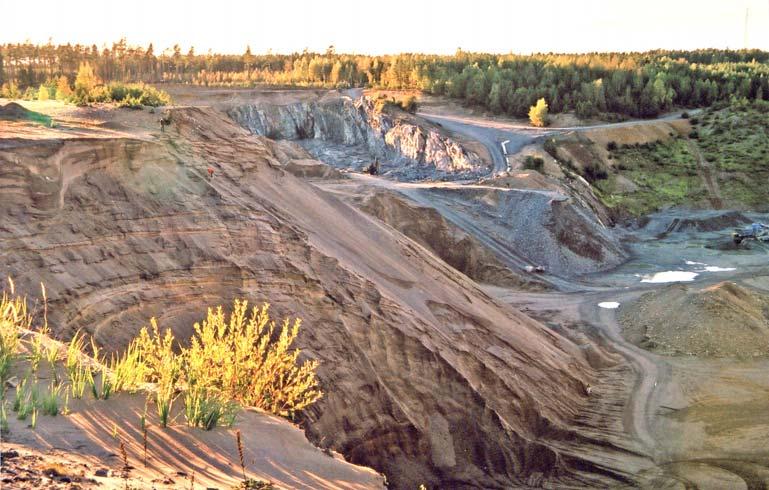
430	229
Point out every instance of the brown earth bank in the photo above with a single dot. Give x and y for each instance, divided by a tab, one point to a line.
720	221
12	110
427	378
722	320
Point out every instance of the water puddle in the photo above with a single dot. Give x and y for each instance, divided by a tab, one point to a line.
669	276
683	276
609	305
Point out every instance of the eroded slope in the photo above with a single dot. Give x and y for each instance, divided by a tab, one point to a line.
426	377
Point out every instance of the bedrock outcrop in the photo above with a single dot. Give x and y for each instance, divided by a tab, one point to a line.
389	135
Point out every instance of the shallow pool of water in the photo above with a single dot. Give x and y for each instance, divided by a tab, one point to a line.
713	268
669	276
609	305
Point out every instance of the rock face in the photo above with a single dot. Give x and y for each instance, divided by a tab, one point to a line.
387	136
426	378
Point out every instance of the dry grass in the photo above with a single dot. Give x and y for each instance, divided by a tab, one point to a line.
14	319
236	358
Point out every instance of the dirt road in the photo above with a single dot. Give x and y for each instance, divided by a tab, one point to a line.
492	133
698	420
650	372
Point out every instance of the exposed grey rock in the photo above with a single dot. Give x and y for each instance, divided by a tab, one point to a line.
396	141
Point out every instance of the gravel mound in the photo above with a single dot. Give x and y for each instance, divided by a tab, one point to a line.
722	320
544	228
719	222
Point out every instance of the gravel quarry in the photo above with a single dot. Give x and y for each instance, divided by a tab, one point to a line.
471	333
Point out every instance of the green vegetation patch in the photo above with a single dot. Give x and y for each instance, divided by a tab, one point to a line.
732	139
88	89
14	111
663	174
736	139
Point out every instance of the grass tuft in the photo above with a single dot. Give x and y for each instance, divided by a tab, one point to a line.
50	400
4	429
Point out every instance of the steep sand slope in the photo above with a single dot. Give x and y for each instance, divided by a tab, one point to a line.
427	378
427	227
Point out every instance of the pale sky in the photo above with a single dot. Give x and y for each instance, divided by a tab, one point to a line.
392	26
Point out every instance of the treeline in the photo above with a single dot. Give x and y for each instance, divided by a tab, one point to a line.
632	84
88	88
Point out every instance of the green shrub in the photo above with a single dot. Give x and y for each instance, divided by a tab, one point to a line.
131	95
19	395
78	371
162	366
131	102
206	410
611	146
50	402
135	95
533	163
409	104
10	90
593	171
538	113
3	420
550	148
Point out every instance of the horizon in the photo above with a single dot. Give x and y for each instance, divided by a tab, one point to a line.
592	26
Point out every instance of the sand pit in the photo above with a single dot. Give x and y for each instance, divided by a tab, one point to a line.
413	354
722	320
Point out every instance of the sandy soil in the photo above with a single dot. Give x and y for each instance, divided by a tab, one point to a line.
418	364
82	448
641	418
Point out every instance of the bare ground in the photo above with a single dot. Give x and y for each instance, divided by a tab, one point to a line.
645	419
